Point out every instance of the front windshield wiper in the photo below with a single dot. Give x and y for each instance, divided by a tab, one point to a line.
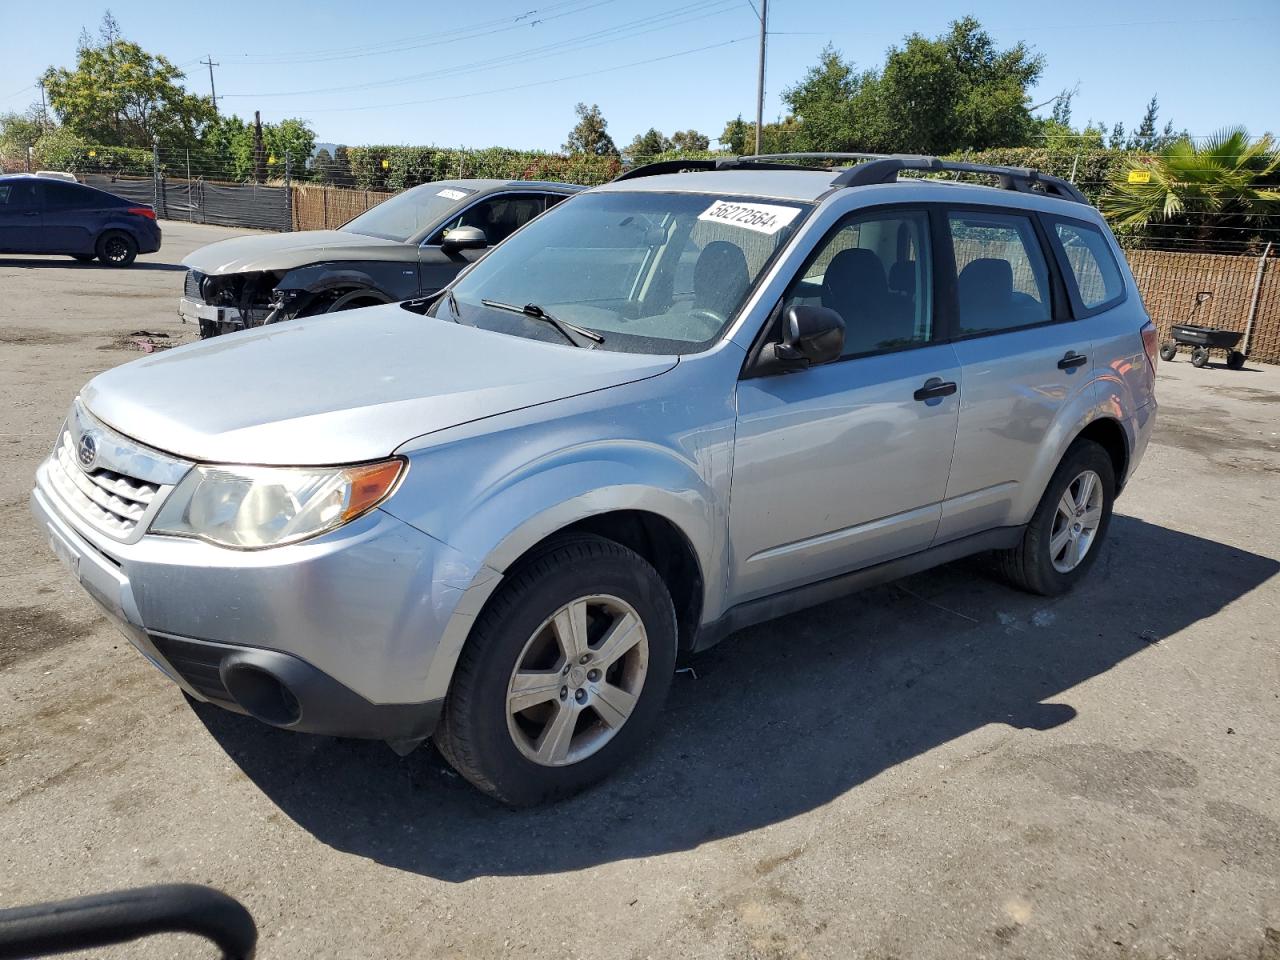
567	329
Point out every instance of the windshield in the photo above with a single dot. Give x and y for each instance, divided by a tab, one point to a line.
649	272
409	213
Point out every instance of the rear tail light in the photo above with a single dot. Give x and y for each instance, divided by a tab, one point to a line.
1151	343
142	212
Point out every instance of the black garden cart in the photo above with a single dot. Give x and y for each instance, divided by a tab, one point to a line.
1203	339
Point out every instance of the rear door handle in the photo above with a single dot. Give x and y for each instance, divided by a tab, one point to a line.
1071	360
935	387
31	213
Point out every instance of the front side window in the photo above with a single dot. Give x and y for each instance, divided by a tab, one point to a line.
17	196
498	216
1002	280
875	271
408	214
650	272
1090	263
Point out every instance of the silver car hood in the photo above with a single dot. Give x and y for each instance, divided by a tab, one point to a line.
342	388
284	251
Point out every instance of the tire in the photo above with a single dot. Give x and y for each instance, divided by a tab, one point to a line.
1034	564
1235	360
117	249
1199	357
512	753
355	299
83	257
1168	350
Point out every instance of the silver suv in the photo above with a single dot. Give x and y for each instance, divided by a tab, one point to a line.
698	397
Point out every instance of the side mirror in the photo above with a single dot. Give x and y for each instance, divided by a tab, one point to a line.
464	238
810	336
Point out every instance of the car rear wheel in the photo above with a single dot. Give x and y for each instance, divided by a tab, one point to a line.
564	674
1065	534
117	249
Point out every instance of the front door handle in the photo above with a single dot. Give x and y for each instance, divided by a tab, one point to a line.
934	388
1072	360
31	213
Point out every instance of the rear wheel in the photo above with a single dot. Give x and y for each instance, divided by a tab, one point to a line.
1235	360
117	249
1062	540
1168	350
1199	356
564	674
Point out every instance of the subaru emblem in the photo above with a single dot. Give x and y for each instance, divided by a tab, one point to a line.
87	451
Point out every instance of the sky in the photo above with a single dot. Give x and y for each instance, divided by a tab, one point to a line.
508	73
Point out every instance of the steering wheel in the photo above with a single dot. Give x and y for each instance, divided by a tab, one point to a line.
712	318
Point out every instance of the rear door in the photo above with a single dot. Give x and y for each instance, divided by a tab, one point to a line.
498	215
844	465
1024	360
20	218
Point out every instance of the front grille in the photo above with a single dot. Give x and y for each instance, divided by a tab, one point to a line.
109	501
192	286
196	663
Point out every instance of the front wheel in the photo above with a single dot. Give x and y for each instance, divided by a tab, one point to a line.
1168	350
564	674
1235	360
1199	357
1062	540
117	249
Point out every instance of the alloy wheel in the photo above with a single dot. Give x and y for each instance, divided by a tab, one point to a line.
1075	522
116	249
577	680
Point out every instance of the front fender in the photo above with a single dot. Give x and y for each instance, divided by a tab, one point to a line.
397	280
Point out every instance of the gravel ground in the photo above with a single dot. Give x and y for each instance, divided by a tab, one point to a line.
936	768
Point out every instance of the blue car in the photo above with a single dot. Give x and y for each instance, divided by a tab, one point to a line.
44	215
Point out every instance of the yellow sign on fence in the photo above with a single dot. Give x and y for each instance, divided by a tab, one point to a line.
1139	176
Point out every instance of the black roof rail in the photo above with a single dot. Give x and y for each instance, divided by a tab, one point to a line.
885	170
720	163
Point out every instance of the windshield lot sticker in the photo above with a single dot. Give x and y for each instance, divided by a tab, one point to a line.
452	194
760	217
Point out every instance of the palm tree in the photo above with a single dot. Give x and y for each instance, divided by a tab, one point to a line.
1219	193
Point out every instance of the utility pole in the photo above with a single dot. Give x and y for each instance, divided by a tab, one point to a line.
213	91
764	26
44	109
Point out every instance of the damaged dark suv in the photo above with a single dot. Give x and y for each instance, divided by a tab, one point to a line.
412	244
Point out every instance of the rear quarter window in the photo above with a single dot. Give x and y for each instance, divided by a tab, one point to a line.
1090	264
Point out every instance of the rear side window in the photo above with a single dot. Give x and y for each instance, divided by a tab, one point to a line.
69	196
1002	279
1089	262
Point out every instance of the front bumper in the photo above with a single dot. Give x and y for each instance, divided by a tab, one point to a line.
348	624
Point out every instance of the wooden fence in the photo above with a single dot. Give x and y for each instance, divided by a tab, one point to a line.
323	208
1170	281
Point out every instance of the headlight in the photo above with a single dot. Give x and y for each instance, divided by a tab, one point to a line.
255	507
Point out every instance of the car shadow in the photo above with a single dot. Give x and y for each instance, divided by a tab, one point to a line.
775	721
36	263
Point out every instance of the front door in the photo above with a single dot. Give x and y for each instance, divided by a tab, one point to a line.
845	465
20	218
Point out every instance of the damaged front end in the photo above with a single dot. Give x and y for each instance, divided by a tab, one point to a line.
231	302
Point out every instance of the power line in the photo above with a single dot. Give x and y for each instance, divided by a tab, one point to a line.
537	83
625	31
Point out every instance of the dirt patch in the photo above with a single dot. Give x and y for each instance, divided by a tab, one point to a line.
1250	394
1207	431
28	631
141	342
33	336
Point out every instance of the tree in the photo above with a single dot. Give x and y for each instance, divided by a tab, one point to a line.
18	131
1144	138
648	144
1211	192
689	140
590	134
736	134
954	92
121	95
